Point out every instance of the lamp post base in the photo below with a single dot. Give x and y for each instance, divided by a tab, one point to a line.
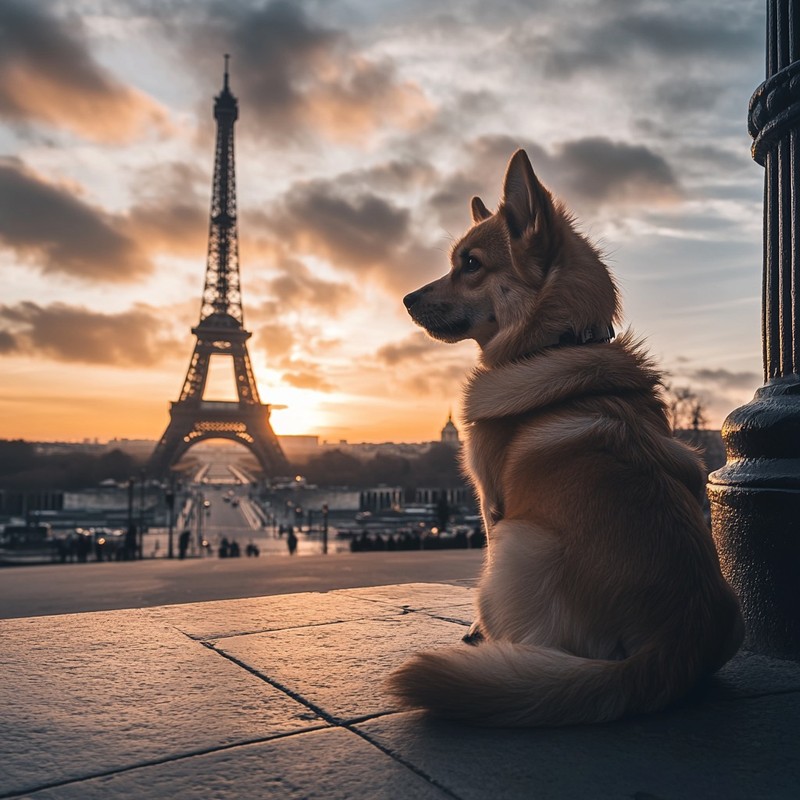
755	513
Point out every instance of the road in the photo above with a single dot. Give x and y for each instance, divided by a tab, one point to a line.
70	588
222	494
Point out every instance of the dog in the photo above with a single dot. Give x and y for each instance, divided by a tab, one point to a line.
601	595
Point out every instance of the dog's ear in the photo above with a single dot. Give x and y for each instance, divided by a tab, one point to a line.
527	205
479	210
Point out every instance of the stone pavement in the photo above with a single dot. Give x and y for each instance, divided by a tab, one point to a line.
281	697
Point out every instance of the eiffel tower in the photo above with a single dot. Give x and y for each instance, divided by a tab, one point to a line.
221	332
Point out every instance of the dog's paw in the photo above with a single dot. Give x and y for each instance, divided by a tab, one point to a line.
474	635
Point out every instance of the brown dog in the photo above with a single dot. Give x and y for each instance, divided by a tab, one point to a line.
601	594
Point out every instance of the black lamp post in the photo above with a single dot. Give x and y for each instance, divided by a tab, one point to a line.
325	528
755	497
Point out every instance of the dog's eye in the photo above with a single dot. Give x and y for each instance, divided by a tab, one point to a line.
471	264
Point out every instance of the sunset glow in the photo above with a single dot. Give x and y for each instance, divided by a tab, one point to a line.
364	130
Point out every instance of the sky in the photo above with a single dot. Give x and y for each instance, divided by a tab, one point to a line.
364	129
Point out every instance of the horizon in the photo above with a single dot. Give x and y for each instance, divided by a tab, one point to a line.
363	133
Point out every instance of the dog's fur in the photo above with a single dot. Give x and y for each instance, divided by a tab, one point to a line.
601	594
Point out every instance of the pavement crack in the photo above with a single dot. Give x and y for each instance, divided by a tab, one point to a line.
154	762
334	721
407	764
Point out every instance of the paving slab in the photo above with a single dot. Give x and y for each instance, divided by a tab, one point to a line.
416	596
283	697
234	617
739	750
333	764
340	668
82	694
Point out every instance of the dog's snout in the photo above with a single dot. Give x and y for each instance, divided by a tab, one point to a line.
411	298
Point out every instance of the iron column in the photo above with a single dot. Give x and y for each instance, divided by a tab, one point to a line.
755	497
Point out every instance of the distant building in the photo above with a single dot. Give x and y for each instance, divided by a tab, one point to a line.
450	433
300	448
140	449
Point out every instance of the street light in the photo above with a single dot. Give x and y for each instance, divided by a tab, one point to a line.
324	528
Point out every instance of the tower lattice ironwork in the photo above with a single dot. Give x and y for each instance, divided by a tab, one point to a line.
221	332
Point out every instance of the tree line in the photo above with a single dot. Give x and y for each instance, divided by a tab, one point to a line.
436	467
22	466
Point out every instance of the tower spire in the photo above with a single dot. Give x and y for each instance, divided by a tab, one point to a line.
222	299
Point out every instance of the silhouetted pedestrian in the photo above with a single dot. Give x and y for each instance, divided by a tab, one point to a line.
291	541
183	543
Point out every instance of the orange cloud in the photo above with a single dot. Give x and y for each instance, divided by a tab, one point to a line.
48	224
48	76
300	77
73	334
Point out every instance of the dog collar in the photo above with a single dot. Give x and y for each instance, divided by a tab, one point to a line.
595	335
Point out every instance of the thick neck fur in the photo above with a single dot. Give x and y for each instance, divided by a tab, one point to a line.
556	376
566	288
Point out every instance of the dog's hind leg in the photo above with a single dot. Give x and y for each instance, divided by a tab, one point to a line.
520	597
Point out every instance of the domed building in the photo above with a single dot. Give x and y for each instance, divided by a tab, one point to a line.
450	433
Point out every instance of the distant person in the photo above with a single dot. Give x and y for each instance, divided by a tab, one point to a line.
235	552
82	547
130	543
291	541
183	543
224	547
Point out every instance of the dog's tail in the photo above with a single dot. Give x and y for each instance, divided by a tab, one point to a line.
510	685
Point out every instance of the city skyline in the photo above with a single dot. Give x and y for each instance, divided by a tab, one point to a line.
364	130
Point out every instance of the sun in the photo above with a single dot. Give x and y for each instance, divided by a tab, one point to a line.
297	412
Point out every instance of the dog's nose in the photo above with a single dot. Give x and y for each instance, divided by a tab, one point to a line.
412	298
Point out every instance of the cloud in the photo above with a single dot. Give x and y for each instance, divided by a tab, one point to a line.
296	288
300	76
617	36
599	170
307	375
353	229
74	334
50	225
275	339
171	209
357	231
8	344
421	365
409	349
47	75
591	172
725	379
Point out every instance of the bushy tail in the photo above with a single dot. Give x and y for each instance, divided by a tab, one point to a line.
510	685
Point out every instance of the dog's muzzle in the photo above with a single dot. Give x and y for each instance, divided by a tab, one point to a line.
412	297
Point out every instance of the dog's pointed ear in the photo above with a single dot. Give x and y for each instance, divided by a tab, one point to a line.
479	210
527	205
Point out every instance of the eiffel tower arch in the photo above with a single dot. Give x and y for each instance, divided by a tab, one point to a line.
221	333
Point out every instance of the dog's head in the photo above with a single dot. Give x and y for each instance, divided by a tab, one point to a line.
520	276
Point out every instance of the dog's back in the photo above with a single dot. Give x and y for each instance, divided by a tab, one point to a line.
602	593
